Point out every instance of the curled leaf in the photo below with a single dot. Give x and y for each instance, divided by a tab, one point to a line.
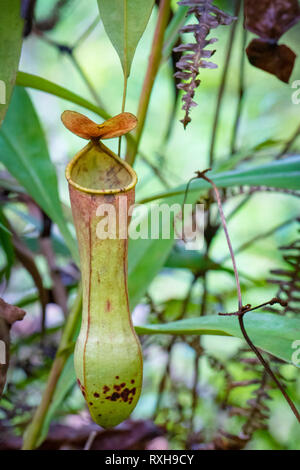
88	129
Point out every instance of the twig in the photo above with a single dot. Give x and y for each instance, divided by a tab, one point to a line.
223	84
152	69
201	174
267	367
249	308
243	309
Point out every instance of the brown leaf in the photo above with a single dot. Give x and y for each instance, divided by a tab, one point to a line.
88	129
270	19
273	58
9	314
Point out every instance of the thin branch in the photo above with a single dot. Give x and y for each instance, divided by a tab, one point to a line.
201	174
267	367
242	309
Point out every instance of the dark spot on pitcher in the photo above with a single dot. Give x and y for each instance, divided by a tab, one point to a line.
126	395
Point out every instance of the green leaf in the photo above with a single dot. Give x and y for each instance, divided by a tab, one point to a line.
42	84
11	28
145	260
274	334
25	154
147	257
6	245
124	22
38	83
279	174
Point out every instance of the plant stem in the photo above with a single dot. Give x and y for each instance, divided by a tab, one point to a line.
34	429
222	85
218	198
152	69
241	93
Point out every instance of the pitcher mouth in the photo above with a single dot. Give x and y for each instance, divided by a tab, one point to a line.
97	170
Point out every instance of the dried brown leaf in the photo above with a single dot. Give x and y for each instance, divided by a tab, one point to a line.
273	58
9	314
270	19
88	129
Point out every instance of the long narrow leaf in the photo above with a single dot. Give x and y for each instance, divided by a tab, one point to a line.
279	174
11	27
24	152
274	334
42	84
